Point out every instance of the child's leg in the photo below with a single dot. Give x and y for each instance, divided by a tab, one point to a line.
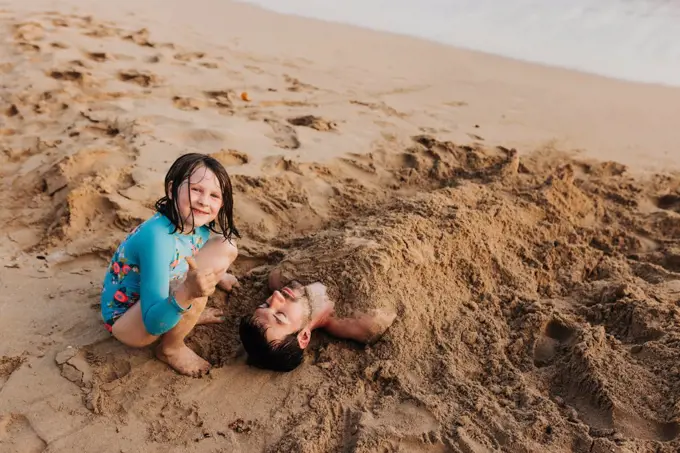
365	328
216	253
129	328
172	349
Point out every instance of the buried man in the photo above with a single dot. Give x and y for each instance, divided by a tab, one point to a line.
277	333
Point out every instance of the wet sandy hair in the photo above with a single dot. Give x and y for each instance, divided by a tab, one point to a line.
181	170
283	355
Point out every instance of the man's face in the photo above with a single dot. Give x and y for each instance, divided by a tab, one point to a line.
284	312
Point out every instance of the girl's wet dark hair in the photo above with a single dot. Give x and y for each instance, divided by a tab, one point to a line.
181	170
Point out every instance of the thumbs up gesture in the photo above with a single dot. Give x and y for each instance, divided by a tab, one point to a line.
201	282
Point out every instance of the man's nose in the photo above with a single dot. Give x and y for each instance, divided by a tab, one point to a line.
276	301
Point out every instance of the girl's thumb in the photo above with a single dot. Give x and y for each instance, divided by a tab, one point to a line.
192	263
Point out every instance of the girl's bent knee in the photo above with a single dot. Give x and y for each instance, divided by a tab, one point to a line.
231	250
218	252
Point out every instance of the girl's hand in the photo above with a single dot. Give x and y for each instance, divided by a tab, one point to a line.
201	282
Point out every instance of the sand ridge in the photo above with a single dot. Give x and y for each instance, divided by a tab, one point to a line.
537	292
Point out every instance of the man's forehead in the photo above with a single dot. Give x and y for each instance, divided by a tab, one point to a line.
260	317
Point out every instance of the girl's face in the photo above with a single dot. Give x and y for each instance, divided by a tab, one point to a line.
201	196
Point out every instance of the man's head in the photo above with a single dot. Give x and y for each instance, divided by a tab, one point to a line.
279	330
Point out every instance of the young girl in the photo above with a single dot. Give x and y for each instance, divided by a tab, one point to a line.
159	279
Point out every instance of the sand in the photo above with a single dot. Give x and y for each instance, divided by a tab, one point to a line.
523	221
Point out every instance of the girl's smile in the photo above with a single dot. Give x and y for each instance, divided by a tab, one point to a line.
199	212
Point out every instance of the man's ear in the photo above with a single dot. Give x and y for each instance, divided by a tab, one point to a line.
304	337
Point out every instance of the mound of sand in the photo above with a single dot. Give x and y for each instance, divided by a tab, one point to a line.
537	294
537	309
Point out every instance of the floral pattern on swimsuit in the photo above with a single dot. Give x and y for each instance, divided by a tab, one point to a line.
121	287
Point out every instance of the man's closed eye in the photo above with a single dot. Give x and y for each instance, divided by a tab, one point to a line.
281	318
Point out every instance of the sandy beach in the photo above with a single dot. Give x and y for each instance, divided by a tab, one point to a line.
523	221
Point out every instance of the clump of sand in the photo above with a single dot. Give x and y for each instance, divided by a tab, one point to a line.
534	310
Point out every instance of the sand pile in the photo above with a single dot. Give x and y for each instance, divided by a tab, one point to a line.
537	309
537	294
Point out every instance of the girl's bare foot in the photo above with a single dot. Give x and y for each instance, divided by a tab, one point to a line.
183	360
211	316
228	282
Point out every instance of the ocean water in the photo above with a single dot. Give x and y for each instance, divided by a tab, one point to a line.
636	40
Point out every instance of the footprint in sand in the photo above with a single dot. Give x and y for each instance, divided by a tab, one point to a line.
187	104
222	99
9	365
416	426
25	36
224	96
280	164
142	78
189	56
381	107
101	31
350	431
670	202
231	157
29	31
60	22
315	122
286	103
18	435
284	135
68	75
28	47
296	85
98	56
174	420
140	37
11	111
547	344
456	103
254	69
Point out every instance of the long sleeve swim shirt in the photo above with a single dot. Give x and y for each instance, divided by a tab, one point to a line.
142	269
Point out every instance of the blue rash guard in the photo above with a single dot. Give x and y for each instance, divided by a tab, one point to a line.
141	270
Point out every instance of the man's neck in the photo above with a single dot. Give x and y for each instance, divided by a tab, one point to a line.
321	307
